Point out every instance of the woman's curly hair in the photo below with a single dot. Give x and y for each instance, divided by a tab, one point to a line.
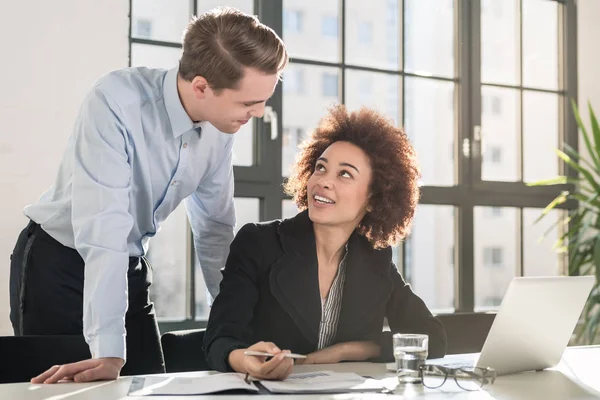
394	191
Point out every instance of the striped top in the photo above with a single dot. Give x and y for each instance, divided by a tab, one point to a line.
331	306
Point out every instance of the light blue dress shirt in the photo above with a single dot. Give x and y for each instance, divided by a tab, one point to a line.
134	155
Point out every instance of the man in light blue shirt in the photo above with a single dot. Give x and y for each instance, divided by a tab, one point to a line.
144	141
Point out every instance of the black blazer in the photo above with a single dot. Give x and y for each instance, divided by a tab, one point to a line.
270	292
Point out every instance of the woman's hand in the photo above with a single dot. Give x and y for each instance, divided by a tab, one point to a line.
277	368
348	351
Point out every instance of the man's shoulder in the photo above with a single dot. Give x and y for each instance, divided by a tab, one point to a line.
133	84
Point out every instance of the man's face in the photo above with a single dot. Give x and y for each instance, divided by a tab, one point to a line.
229	109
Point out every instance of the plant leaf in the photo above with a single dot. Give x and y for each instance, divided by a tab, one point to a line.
575	154
595	128
560	199
559	180
585	134
579	168
597	258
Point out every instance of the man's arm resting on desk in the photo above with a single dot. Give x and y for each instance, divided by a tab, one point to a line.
83	371
101	224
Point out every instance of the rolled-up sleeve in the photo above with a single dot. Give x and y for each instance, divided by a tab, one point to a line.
102	222
211	213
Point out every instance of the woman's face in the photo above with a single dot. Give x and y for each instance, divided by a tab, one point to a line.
338	189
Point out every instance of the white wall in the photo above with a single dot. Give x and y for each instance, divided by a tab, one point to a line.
51	52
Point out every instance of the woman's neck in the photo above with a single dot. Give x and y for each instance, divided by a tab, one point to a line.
330	242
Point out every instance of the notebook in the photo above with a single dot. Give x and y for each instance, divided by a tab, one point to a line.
307	382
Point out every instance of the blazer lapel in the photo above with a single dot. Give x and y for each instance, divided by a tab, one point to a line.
294	279
367	286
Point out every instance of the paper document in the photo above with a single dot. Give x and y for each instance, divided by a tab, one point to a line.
323	382
174	386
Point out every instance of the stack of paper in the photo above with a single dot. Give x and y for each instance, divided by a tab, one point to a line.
308	382
177	386
323	382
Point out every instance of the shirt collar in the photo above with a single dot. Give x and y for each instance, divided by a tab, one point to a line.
180	120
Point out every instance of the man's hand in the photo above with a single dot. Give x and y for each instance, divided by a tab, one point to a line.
97	369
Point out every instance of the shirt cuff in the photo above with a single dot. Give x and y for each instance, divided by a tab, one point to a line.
103	346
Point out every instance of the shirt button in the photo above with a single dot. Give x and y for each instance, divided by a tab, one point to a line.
184	145
173	183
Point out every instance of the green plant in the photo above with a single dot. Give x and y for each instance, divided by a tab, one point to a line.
580	235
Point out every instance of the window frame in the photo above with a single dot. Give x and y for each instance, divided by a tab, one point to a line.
264	179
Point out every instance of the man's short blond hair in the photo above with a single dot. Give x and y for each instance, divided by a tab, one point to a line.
218	44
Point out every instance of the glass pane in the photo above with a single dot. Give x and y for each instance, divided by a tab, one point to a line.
500	41
378	91
304	104
540	43
539	256
246	6
431	273
370	42
424	98
163	20
288	209
307	22
429	37
247	210
501	134
168	255
243	147
496	254
154	56
540	135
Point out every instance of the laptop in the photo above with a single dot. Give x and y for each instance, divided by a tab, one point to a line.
532	327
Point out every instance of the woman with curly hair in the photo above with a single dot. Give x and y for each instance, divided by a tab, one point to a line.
321	283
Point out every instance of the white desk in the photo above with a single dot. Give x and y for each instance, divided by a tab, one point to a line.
576	377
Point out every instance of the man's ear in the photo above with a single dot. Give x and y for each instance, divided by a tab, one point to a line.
200	87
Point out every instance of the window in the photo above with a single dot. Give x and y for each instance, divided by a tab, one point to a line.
292	138
329	86
292	21
365	89
400	56
493	257
496	105
293	80
329	26
493	212
493	155
143	28
365	33
492	301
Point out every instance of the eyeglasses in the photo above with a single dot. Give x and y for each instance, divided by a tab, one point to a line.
467	378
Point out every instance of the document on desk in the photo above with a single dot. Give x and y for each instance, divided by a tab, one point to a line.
182	386
307	382
324	382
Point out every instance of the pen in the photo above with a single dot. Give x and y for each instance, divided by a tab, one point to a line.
263	354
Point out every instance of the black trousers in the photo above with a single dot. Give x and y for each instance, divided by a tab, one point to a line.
46	298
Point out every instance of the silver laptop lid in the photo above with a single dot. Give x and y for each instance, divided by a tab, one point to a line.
535	322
